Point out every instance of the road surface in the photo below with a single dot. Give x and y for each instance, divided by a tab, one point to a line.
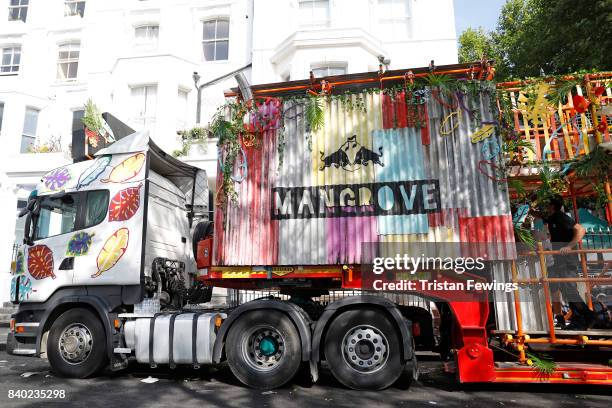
216	387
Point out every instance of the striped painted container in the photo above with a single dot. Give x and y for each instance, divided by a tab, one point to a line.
394	173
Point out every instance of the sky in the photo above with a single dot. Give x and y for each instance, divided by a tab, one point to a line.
475	13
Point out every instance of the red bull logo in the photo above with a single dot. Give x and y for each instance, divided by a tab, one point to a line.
351	156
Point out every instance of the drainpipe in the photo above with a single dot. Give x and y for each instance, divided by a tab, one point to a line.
196	80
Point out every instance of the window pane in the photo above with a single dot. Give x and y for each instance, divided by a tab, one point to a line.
1	114
337	71
209	30
209	51
73	69
222	29
6	56
222	50
320	11
30	122
57	216
16	56
97	204
150	100
26	143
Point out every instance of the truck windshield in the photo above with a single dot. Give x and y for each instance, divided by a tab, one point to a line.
57	216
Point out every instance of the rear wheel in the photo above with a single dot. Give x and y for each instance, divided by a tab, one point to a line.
363	350
77	344
263	349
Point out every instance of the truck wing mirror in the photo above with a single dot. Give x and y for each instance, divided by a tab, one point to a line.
28	208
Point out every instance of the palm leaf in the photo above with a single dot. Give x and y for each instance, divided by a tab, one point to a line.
544	364
314	113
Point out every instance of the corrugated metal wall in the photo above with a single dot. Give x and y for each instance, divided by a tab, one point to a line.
365	177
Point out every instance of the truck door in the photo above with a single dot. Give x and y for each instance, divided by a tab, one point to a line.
46	265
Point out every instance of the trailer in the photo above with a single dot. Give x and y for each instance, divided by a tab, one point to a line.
315	178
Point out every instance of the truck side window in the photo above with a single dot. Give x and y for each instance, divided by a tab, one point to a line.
57	216
97	205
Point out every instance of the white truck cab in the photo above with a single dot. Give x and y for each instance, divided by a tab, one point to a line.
107	234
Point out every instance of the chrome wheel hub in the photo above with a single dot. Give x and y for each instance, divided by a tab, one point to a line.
263	348
75	343
365	349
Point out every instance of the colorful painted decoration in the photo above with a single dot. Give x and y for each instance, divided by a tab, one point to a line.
19	263
580	103
79	244
126	170
40	262
56	179
124	204
482	133
25	288
113	249
13	292
94	171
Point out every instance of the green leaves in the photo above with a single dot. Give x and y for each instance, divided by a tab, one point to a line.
543	364
314	114
92	118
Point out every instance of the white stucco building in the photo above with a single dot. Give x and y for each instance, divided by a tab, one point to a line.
136	58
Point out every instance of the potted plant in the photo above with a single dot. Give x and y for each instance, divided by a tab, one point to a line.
92	120
194	142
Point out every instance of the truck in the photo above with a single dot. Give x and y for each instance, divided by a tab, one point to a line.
314	177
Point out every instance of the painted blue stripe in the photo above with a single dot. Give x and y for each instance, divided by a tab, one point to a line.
403	161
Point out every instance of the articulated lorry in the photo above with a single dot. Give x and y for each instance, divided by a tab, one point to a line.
120	249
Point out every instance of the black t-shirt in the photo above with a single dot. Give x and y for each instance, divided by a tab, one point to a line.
561	227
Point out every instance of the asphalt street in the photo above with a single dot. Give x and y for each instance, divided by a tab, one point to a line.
216	387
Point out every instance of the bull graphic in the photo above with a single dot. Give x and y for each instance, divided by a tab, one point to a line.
351	156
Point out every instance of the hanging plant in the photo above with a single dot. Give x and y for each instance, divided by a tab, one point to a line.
189	137
228	132
315	115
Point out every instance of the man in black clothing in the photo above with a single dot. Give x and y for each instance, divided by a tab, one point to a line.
565	234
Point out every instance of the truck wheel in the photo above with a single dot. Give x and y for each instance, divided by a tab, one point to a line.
263	349
76	346
363	350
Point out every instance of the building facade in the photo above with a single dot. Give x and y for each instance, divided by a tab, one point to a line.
136	59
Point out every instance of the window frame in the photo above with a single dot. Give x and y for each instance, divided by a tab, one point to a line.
12	64
215	40
23	133
81	201
69	60
146	120
328	66
22	13
396	20
312	22
148	43
2	107
75	3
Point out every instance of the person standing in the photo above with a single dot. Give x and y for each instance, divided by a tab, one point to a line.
565	234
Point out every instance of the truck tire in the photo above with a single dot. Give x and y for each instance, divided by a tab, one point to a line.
263	349
76	347
363	350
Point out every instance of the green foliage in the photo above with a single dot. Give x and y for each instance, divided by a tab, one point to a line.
556	36
440	81
189	137
227	125
92	119
597	164
315	116
544	364
474	45
525	236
